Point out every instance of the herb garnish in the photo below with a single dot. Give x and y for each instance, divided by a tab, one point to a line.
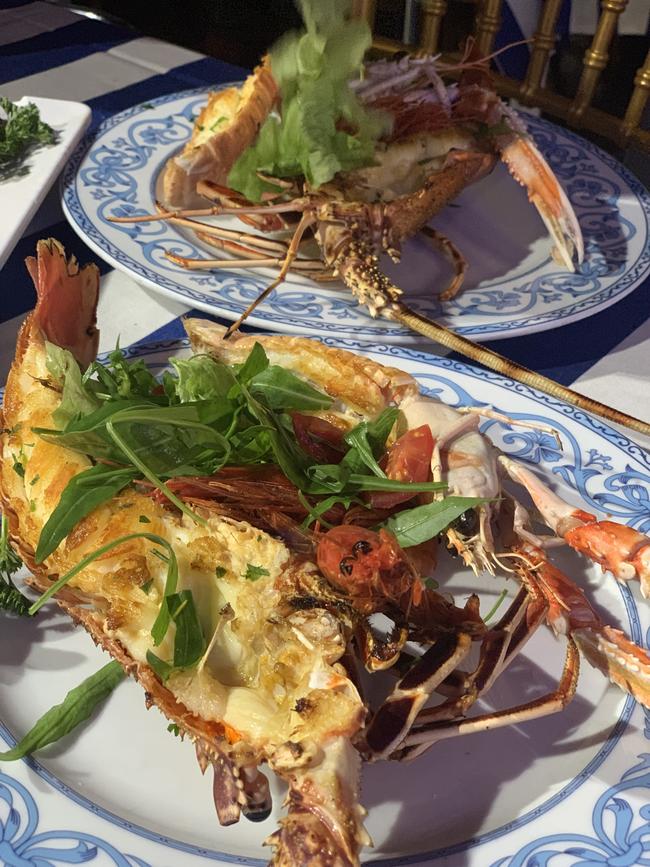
11	599
75	708
21	129
254	573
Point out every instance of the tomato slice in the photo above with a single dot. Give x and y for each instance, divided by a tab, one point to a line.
319	438
409	460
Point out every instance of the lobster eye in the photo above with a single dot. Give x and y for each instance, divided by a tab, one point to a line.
346	565
361	547
466	523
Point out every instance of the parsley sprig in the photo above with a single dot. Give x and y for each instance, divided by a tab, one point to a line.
11	599
21	129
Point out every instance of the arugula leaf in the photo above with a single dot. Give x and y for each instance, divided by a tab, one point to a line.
254	573
121	378
75	708
338	479
189	642
413	526
288	456
11	599
316	512
251	446
99	552
360	449
280	389
83	493
367	442
76	399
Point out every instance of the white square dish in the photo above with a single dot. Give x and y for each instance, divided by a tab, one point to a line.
21	196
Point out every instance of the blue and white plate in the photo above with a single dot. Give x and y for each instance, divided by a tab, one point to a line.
513	287
567	790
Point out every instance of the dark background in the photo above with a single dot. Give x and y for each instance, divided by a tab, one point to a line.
240	31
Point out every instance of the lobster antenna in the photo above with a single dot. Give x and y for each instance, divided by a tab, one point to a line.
501	364
307	220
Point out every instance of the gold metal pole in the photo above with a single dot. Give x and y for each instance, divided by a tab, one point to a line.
364	9
488	21
543	43
638	99
511	369
433	11
596	57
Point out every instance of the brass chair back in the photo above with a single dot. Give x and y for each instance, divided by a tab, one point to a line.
576	112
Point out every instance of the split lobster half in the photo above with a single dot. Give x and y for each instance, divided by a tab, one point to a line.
276	680
442	138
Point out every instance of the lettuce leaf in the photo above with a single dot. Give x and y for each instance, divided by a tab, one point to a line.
322	128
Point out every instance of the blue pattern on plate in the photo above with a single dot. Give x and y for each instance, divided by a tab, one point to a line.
21	846
114	169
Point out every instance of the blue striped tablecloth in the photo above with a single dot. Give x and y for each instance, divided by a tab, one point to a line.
50	51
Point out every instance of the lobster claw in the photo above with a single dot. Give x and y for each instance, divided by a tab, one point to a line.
527	166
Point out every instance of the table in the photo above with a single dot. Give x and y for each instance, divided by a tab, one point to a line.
51	51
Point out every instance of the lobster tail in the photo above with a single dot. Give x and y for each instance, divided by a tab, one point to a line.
323	826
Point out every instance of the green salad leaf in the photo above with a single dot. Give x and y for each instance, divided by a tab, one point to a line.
322	128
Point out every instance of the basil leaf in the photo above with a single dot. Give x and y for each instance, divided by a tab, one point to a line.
161	668
256	362
75	708
95	555
413	526
189	643
76	400
83	493
281	389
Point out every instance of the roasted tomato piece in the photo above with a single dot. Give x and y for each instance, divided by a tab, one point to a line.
318	437
409	460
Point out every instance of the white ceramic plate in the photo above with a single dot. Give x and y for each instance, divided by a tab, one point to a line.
21	196
512	287
125	792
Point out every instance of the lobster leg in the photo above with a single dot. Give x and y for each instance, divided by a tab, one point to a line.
458	261
569	613
499	648
621	550
395	717
423	737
